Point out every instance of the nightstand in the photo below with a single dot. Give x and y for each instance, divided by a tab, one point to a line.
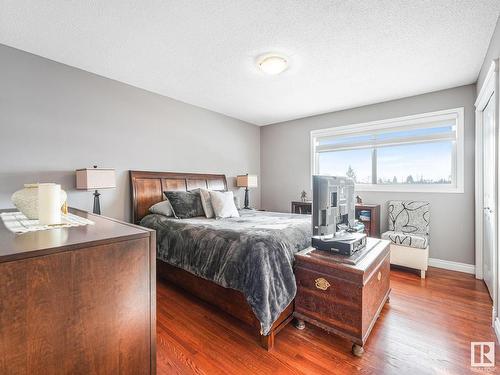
300	207
343	295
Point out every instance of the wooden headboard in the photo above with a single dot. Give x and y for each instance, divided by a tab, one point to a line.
147	187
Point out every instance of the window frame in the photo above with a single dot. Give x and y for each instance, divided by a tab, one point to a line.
412	121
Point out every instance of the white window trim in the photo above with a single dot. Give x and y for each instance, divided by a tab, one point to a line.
456	187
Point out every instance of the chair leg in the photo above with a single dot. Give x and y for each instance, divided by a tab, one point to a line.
422	274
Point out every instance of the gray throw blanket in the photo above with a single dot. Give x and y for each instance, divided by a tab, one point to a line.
252	254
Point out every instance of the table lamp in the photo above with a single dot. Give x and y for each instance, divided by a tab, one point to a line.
246	181
94	179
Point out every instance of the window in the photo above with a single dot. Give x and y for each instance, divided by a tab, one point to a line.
414	153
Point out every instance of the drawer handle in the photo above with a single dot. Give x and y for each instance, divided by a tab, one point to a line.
322	284
379	276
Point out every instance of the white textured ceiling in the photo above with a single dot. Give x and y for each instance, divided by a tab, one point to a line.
342	54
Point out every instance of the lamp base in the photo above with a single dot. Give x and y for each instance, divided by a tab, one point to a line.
97	204
247	207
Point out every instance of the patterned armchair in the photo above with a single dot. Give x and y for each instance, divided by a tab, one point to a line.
409	233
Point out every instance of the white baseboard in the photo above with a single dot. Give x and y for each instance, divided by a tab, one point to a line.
453	266
496	326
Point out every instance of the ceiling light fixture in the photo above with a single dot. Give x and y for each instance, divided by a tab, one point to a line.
272	64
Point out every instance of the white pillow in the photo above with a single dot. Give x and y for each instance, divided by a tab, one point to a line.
162	208
206	202
223	204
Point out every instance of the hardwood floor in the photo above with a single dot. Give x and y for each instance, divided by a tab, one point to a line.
425	329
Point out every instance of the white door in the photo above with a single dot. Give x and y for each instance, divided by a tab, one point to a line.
489	191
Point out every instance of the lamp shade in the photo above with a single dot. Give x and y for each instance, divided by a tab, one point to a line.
247	180
95	178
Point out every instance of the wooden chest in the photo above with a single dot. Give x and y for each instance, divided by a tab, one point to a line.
344	299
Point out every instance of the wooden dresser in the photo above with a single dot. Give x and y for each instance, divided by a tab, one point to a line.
78	300
344	299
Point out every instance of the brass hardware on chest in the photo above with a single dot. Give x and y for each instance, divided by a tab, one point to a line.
322	283
379	276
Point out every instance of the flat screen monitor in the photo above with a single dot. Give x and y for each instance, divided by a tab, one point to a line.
333	205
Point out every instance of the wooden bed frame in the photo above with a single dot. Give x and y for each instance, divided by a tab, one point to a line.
147	189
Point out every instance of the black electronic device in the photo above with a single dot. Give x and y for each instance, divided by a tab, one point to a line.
333	216
347	245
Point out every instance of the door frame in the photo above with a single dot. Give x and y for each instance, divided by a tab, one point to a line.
490	87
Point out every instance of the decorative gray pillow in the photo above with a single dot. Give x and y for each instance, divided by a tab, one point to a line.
162	208
185	204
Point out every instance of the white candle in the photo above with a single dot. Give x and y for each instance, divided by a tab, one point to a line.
49	204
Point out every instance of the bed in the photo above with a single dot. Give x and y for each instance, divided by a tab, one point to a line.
242	265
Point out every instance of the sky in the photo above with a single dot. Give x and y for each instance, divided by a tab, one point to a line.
431	161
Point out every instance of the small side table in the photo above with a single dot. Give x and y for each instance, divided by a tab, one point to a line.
299	207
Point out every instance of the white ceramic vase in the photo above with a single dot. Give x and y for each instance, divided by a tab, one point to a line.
26	200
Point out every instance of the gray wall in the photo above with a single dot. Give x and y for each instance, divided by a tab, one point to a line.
285	167
492	54
55	118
